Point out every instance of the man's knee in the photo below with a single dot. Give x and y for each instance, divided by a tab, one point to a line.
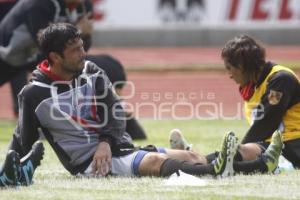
184	155
151	164
195	157
249	151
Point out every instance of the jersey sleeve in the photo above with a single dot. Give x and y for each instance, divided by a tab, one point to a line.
273	106
109	111
27	127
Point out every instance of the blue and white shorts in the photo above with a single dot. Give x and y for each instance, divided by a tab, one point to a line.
127	165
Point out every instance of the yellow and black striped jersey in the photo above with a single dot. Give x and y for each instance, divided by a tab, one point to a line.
274	104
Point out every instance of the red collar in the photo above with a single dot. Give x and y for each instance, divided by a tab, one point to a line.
247	91
45	68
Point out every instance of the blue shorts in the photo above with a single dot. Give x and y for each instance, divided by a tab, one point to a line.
139	157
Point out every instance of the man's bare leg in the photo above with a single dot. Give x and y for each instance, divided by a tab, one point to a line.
159	164
184	155
249	151
151	163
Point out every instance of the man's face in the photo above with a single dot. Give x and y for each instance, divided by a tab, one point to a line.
74	56
236	74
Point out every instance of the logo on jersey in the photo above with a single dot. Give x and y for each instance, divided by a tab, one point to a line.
274	97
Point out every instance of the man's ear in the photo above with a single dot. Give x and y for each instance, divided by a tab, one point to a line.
54	57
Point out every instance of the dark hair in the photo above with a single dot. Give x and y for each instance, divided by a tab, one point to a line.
245	53
56	36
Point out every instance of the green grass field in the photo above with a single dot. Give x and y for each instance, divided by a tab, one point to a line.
53	182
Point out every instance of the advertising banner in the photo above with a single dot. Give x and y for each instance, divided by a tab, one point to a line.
159	13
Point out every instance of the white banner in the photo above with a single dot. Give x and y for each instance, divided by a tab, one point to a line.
153	13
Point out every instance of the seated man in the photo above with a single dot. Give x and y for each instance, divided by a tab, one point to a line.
19	52
71	101
271	94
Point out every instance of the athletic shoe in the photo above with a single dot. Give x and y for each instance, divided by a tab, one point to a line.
9	172
272	153
30	162
223	165
177	141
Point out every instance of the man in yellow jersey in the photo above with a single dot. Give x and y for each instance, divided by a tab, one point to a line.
272	102
271	94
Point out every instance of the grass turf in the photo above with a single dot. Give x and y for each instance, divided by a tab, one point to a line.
53	182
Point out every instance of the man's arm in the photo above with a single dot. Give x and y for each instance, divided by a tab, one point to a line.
109	111
26	132
274	103
112	116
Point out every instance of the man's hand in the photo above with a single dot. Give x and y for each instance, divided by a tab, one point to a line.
102	159
85	24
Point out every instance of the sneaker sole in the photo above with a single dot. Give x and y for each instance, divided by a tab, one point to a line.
230	153
12	163
16	167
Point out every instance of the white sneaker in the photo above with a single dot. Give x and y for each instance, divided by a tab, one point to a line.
177	141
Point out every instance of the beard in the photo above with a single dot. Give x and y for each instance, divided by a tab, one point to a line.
73	68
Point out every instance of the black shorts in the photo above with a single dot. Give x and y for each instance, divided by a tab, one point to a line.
291	151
